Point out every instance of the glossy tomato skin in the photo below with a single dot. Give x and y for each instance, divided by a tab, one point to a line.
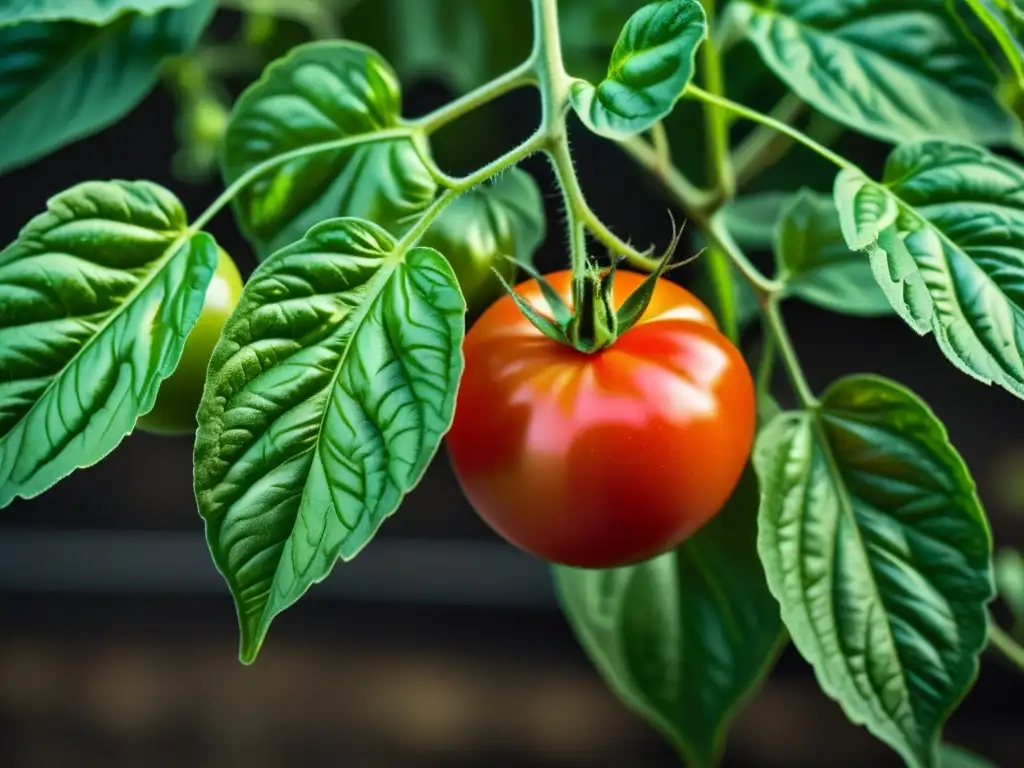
177	400
605	459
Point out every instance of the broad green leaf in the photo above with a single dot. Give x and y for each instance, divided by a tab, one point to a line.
651	65
88	11
816	264
877	548
955	757
1009	569
896	70
322	92
945	234
97	296
752	219
327	395
1005	20
63	81
486	227
687	637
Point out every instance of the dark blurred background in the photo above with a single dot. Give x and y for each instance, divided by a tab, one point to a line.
438	646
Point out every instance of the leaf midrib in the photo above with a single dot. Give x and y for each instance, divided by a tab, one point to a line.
375	288
171	251
846	505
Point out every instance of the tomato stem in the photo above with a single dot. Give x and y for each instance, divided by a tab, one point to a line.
716	119
777	327
694	92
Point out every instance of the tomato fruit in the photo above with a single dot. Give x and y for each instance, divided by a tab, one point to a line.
177	400
604	459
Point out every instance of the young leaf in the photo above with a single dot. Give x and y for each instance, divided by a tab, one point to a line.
327	395
816	264
896	70
950	258
1005	20
687	637
89	11
877	548
322	92
475	232
63	81
97	296
650	67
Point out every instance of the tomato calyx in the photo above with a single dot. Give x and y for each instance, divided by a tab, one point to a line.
592	323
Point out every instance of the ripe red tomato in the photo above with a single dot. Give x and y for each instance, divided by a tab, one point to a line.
604	459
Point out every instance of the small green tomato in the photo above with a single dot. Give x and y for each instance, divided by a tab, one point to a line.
177	400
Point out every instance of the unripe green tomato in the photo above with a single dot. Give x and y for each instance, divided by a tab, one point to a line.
474	239
177	400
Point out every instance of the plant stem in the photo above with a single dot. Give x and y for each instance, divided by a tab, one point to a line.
764	147
269	164
777	326
753	115
716	119
553	83
521	75
718	269
687	194
766	365
310	13
1005	644
662	149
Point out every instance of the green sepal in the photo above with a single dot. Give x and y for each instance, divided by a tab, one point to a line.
559	309
545	325
636	303
594	323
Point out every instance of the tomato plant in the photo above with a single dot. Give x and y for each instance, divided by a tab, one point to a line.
695	518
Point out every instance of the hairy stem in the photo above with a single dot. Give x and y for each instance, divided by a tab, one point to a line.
693	92
518	77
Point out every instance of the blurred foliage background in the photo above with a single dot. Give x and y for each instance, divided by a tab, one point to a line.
438	646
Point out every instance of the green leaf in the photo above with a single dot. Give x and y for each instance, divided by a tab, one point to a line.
322	92
896	70
686	638
955	757
948	250
88	11
1005	20
877	548
498	219
650	67
1009	569
63	81
327	395
752	219
816	264
97	296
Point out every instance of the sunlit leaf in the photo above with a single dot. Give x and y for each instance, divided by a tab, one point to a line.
327	396
945	234
97	296
322	92
651	65
877	548
897	70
